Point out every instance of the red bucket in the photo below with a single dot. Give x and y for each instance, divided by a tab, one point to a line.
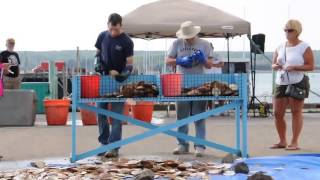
60	65
143	111
171	84
90	86
57	111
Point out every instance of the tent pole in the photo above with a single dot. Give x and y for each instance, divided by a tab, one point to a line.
252	78
228	53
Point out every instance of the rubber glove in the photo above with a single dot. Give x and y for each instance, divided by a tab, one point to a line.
185	61
98	66
199	56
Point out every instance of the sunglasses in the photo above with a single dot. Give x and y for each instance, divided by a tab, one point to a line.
289	30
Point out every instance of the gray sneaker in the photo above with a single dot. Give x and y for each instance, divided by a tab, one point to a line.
199	152
112	154
181	149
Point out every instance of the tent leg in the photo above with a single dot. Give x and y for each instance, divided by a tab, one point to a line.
228	54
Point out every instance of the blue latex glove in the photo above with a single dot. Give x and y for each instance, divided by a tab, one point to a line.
185	61
199	57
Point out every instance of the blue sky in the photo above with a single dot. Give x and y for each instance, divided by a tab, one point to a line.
41	25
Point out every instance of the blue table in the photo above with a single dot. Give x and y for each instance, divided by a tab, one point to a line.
108	85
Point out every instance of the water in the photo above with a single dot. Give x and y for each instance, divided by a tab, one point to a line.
264	87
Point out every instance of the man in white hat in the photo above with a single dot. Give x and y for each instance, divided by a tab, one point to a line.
191	55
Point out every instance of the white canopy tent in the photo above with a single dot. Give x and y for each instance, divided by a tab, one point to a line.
162	19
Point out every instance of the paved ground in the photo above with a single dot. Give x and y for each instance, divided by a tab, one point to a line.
43	142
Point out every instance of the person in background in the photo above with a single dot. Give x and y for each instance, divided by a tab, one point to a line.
216	68
292	59
190	55
217	63
115	55
11	76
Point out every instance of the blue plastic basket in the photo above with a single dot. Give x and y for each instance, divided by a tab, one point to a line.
109	85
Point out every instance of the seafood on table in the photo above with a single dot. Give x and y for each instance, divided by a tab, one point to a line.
135	90
214	88
143	89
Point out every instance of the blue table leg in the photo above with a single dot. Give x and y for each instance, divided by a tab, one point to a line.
245	116
74	117
238	130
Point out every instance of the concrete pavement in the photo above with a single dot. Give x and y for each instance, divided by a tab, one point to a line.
43	142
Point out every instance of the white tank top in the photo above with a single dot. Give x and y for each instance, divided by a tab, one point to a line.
294	57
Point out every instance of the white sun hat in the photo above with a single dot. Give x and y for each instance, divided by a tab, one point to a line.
188	30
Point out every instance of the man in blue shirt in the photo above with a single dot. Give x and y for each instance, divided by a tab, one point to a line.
115	54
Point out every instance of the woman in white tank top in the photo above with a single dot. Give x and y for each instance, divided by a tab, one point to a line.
291	60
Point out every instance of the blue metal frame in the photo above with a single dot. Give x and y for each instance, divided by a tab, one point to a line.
239	103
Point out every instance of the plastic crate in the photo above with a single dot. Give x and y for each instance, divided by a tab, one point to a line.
222	83
42	91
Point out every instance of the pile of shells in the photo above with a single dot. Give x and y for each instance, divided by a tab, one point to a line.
122	169
136	90
214	88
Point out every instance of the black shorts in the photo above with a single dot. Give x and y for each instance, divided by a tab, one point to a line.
279	90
